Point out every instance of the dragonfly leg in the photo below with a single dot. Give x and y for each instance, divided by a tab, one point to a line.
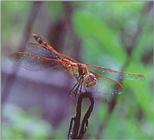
73	88
77	88
80	90
81	84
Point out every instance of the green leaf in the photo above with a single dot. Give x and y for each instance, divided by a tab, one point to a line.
87	25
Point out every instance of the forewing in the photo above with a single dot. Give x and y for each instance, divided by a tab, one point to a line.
115	73
33	61
39	49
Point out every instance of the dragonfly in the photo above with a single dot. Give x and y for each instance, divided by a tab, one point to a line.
42	53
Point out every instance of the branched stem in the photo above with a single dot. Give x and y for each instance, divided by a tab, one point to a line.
75	133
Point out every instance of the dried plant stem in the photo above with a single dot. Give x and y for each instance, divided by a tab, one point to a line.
74	132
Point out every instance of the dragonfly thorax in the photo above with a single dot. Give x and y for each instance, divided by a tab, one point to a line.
89	80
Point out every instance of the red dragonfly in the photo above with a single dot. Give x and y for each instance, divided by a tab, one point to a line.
42	53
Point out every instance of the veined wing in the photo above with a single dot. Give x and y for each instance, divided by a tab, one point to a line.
116	73
34	61
47	46
39	49
105	86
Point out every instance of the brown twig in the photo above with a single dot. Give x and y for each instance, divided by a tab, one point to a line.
75	121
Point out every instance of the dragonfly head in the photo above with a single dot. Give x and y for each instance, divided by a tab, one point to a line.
89	80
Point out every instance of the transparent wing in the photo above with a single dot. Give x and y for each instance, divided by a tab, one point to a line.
34	61
115	73
105	86
39	49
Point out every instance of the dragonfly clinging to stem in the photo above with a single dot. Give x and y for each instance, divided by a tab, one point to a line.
85	77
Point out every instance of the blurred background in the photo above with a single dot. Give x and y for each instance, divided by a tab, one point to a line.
117	35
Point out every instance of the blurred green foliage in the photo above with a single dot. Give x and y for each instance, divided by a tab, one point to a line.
92	27
14	16
22	125
55	10
106	31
